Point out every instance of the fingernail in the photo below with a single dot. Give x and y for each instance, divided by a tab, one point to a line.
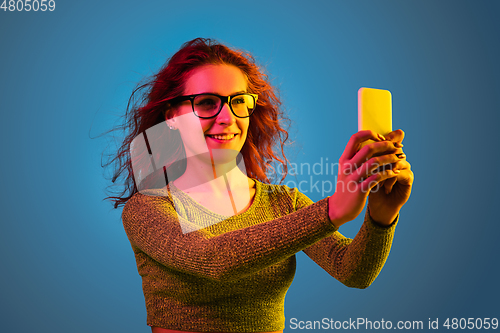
381	137
398	145
396	171
401	156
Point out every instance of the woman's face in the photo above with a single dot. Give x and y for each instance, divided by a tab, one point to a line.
225	131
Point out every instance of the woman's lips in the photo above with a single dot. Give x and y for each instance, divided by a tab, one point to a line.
222	138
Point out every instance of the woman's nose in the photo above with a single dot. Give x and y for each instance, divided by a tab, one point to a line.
225	116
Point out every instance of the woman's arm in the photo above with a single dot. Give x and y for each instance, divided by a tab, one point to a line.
355	262
153	226
380	172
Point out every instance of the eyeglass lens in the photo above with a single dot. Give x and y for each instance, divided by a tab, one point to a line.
209	105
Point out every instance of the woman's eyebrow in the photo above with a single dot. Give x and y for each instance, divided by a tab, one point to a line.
214	93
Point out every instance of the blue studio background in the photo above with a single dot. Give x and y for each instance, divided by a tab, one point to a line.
66	75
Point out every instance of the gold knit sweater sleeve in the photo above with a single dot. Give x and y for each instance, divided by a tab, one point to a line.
153	226
354	262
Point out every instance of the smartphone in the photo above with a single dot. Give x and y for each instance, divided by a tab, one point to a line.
374	111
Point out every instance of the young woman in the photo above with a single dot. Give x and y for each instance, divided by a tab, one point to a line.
214	242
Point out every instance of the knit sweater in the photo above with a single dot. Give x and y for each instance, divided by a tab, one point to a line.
232	276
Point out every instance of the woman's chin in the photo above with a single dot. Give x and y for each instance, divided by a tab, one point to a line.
223	155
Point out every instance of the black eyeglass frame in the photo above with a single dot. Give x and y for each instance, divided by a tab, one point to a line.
223	99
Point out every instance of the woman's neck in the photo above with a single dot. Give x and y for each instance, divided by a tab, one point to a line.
212	175
223	189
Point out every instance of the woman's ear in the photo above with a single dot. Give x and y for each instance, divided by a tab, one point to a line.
171	124
169	115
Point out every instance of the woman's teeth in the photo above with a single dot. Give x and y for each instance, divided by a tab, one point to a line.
222	136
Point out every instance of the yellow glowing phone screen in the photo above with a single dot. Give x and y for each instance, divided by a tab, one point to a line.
375	110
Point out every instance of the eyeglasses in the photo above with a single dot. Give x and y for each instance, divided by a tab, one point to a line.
209	105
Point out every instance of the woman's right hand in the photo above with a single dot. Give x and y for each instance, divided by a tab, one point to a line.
360	170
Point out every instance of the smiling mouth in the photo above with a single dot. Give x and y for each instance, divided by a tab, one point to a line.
221	137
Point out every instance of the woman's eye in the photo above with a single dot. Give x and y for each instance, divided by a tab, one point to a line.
239	100
206	102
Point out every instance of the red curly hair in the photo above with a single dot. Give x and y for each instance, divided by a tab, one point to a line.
148	105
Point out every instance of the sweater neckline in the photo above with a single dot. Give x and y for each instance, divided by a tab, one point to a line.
257	197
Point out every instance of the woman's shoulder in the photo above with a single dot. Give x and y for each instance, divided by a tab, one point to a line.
282	192
273	188
147	197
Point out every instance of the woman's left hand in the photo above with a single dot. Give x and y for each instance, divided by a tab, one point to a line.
385	201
